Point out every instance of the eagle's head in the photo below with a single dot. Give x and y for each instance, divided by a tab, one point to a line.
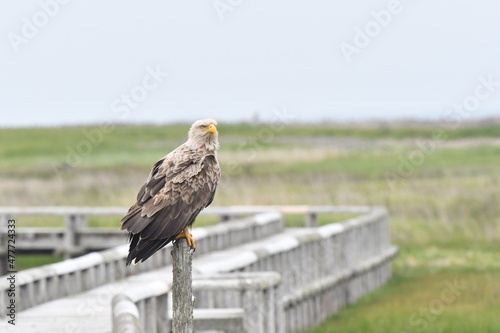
203	135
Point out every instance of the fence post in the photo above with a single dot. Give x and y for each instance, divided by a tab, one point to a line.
224	217
311	219
73	224
182	287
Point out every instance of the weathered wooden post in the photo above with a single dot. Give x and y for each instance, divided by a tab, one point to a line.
182	287
224	217
74	223
311	219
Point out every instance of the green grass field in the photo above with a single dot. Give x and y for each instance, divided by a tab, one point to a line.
442	196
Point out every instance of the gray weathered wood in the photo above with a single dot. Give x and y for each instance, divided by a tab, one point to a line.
322	269
76	238
49	282
74	223
182	287
258	294
227	320
311	219
125	316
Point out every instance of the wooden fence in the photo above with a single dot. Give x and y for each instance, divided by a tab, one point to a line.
42	284
146	308
321	270
75	238
254	276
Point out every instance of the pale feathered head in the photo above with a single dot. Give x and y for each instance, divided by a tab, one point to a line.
203	134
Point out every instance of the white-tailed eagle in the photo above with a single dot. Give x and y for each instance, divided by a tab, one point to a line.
179	187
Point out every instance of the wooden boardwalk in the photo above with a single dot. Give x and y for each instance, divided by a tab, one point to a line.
319	271
85	312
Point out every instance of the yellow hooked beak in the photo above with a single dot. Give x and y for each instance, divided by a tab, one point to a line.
211	129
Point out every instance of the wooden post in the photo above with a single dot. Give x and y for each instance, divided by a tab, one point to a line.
182	287
73	223
224	217
311	219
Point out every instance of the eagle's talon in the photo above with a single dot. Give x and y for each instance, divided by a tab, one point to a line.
189	238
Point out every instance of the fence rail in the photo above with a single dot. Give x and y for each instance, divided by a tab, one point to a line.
311	272
42	284
320	271
144	308
75	238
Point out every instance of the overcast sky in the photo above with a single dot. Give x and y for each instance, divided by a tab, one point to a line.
70	62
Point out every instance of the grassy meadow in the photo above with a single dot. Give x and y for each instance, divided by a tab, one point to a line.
440	184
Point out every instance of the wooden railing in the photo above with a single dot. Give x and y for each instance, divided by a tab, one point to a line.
78	214
42	284
322	270
144	308
255	295
319	270
75	238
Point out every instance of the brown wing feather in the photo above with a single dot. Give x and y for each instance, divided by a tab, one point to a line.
179	186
